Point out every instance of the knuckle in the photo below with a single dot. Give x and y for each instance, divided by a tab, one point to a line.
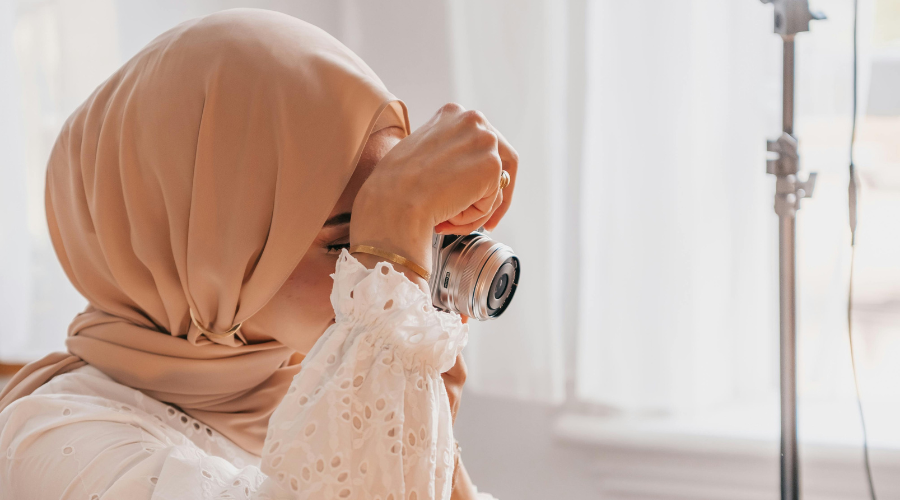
494	167
474	117
486	139
452	107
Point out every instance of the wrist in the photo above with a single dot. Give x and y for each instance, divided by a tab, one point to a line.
393	227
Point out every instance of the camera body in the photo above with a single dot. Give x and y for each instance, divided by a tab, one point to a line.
473	275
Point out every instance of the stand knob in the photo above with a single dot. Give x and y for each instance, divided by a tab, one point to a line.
805	189
786	159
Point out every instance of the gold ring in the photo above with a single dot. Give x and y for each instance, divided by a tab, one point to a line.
504	179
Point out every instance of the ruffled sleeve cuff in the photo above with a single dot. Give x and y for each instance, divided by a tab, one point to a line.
395	311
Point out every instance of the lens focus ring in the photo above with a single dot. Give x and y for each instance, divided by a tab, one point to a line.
467	273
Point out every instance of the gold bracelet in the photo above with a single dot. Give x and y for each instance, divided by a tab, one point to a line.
396	259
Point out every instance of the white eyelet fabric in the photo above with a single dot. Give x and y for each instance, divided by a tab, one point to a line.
367	417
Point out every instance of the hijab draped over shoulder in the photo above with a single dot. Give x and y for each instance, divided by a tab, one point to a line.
193	181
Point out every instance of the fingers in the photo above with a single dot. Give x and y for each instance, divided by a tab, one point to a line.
452	227
510	159
490	209
498	214
508	155
474	226
476	211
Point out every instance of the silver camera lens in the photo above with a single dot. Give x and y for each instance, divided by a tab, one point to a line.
473	275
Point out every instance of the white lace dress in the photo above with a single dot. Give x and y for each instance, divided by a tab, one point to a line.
367	417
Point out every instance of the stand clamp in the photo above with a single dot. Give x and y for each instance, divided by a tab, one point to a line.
793	16
784	163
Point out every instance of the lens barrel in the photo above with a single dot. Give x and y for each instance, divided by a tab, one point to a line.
473	275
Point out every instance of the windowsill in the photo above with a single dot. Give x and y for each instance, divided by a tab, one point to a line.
734	453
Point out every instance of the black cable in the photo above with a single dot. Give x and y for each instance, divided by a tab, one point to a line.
852	198
862	418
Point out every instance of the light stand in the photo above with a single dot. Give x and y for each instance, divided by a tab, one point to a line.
791	17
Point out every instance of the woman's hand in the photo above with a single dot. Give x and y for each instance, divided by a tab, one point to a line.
509	159
445	176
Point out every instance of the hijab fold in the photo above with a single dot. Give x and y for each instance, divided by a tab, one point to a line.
195	178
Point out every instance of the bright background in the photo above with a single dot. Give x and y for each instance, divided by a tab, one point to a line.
639	358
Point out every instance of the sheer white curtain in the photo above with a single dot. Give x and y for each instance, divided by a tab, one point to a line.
15	288
677	225
53	55
510	60
678	294
644	215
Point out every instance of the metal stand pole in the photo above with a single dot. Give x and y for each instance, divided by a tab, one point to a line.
791	17
786	203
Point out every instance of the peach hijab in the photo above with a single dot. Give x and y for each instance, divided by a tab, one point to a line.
194	180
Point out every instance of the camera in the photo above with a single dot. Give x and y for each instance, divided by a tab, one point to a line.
473	275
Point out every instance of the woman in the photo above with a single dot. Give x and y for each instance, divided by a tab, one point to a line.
200	200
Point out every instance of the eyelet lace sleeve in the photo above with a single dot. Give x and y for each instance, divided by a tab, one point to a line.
368	414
